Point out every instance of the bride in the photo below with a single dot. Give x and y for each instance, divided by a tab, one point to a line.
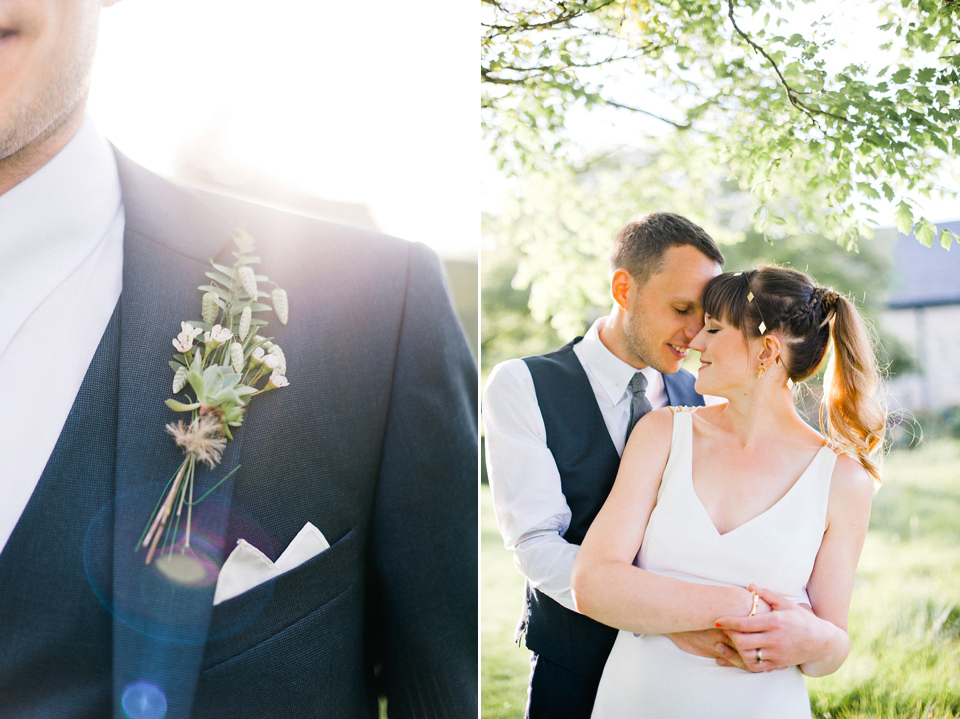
712	504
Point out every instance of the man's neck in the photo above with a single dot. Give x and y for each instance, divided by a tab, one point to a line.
27	160
613	337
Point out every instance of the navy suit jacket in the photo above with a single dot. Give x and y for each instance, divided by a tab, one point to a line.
374	442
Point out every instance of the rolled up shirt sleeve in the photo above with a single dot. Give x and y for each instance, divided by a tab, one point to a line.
532	512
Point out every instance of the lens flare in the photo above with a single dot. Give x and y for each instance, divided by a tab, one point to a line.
143	700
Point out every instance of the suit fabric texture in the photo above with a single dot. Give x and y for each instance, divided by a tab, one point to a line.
374	442
587	462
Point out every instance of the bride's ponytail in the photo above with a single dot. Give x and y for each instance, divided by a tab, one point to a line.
850	414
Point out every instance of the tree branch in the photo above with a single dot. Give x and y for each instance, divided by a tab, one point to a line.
792	95
559	20
621	106
560	67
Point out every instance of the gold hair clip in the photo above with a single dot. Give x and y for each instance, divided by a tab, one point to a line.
750	296
762	327
737	274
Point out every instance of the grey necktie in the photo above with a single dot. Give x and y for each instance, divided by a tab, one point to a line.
639	404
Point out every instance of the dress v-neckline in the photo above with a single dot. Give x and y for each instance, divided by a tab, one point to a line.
757	517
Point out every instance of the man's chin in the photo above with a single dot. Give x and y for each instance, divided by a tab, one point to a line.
668	366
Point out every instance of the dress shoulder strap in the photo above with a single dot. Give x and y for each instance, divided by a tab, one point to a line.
681	446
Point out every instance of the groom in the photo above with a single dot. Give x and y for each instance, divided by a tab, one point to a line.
555	428
373	443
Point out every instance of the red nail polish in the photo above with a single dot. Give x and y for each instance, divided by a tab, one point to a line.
718	625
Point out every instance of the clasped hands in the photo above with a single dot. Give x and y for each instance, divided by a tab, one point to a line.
780	634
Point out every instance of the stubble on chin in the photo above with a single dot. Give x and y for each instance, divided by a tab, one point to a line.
35	129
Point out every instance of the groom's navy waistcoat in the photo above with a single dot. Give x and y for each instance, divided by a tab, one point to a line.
587	461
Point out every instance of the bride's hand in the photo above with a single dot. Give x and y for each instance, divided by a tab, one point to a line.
726	650
782	634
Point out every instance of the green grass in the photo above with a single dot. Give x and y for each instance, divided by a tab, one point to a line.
904	619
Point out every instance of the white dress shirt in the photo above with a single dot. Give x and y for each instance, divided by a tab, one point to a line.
61	266
527	497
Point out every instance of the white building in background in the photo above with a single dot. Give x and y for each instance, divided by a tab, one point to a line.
923	312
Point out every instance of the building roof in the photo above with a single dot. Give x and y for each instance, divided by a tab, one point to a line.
924	276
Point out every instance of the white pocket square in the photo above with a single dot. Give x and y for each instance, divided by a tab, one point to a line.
247	566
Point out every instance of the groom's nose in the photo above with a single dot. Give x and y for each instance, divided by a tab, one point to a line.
694	326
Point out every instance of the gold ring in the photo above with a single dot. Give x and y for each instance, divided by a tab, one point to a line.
759	656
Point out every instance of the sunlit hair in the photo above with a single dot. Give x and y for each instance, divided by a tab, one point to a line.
811	320
640	245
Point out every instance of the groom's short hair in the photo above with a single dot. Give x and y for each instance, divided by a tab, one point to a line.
640	245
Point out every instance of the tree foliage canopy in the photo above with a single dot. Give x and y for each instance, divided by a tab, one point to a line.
751	89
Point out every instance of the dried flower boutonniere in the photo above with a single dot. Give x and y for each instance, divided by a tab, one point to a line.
220	362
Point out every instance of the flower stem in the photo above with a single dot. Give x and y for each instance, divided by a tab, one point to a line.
160	521
186	542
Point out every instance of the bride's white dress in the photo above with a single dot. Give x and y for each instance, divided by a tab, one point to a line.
647	675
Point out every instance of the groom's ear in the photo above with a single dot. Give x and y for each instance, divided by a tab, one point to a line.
620	287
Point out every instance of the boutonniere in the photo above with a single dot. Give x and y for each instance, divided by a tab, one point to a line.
221	364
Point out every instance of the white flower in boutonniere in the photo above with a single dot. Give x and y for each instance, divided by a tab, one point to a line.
218	384
277	381
271	361
188	333
216	337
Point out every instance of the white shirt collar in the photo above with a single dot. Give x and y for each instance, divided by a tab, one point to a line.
611	372
52	221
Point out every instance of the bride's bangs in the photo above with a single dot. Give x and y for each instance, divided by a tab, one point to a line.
725	298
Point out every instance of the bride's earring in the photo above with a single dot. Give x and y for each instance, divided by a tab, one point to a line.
763	368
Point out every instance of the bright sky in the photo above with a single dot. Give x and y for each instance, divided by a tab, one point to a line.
372	102
854	30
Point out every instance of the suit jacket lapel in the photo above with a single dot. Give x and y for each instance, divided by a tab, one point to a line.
160	624
680	390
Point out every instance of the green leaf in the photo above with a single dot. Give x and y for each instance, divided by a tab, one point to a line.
901	75
181	407
217	277
925	232
904	218
946	237
221	292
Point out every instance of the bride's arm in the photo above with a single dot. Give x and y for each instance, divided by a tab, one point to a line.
831	584
606	585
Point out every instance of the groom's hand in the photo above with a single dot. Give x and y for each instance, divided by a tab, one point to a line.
789	635
703	643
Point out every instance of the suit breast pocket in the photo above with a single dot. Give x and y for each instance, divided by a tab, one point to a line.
258	614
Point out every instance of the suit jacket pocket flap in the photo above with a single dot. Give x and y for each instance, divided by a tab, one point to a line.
254	616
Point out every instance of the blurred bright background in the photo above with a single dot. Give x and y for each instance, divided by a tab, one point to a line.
364	114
